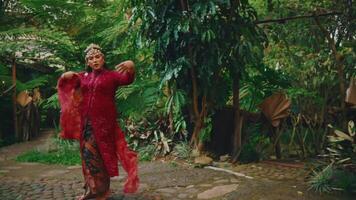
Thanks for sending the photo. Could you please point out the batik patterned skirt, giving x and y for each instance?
(97, 180)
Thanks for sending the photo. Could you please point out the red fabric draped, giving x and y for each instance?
(79, 99)
(70, 98)
(129, 162)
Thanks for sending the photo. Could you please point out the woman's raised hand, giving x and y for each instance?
(126, 66)
(68, 75)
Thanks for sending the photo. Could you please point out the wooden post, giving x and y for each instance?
(14, 98)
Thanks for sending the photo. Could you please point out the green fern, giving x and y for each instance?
(138, 99)
(51, 102)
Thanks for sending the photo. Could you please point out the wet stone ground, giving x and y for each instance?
(160, 180)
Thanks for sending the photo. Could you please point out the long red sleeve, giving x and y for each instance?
(69, 97)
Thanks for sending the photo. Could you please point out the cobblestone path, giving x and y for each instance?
(160, 180)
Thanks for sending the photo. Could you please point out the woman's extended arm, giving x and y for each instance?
(125, 73)
(68, 75)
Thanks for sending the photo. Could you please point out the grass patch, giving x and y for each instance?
(173, 164)
(59, 157)
(62, 152)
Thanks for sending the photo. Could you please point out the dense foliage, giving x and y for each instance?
(193, 59)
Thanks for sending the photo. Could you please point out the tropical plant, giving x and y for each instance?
(150, 131)
(340, 172)
(199, 41)
(320, 181)
(316, 66)
(342, 148)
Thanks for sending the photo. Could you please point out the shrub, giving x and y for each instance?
(340, 173)
(182, 150)
(146, 153)
(321, 181)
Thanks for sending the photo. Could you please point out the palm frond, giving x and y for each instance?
(138, 98)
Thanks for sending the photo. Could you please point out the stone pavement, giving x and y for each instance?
(160, 180)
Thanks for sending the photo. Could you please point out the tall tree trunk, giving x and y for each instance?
(170, 112)
(269, 6)
(238, 119)
(340, 68)
(14, 101)
(199, 115)
(276, 142)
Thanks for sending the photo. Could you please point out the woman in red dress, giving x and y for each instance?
(88, 114)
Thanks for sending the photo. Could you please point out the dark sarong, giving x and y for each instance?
(97, 180)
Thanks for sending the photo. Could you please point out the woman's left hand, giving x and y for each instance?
(126, 66)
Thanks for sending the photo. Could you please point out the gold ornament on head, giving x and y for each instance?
(91, 50)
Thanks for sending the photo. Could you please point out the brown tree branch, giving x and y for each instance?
(283, 20)
(8, 90)
(339, 64)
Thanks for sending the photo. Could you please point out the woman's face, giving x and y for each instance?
(96, 61)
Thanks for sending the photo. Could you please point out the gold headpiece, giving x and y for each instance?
(91, 50)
